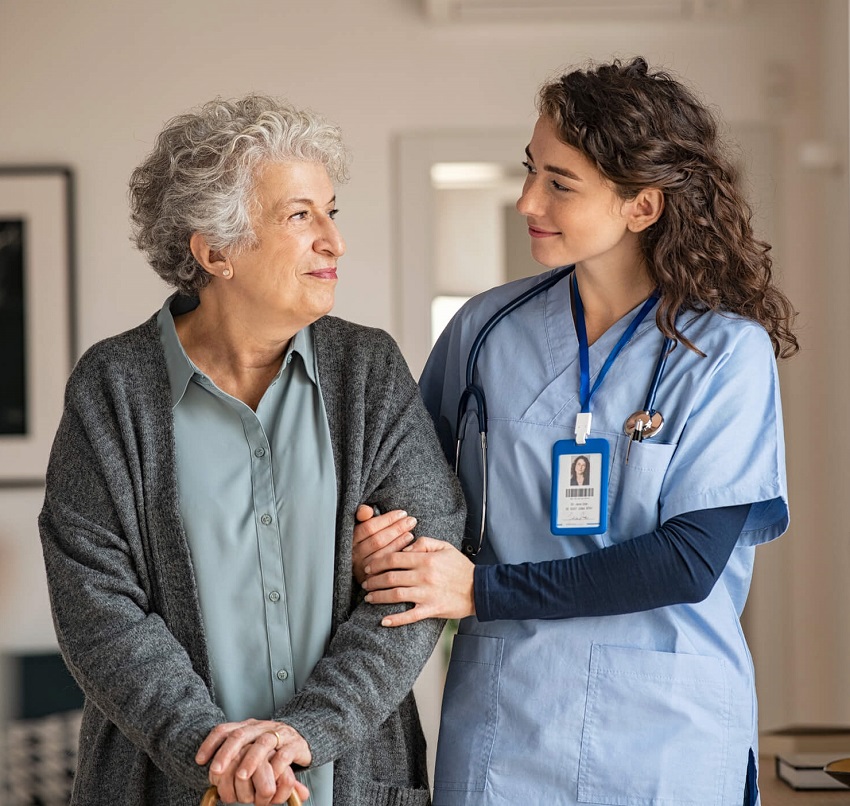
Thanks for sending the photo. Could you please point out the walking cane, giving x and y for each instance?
(210, 798)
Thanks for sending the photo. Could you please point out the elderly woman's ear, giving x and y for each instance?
(212, 260)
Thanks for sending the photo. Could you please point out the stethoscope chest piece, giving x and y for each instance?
(643, 424)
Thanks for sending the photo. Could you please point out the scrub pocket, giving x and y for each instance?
(655, 729)
(470, 707)
(635, 488)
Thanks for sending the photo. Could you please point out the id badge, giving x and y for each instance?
(579, 487)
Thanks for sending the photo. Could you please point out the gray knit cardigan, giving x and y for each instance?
(125, 602)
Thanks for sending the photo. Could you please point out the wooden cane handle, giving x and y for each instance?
(210, 798)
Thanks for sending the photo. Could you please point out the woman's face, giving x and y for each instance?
(291, 273)
(574, 215)
(581, 466)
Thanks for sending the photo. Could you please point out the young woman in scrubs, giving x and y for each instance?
(607, 665)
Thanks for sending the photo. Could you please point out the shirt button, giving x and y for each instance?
(282, 674)
(260, 452)
(266, 519)
(274, 596)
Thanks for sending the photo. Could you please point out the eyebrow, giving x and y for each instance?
(285, 202)
(554, 168)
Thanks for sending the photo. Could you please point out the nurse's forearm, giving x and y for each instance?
(678, 562)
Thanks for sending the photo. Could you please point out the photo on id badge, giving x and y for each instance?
(579, 487)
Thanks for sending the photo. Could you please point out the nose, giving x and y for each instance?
(330, 240)
(528, 204)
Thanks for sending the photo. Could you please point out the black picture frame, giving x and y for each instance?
(37, 314)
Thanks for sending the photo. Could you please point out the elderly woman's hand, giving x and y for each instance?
(378, 536)
(252, 761)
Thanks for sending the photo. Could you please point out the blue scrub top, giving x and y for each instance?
(655, 707)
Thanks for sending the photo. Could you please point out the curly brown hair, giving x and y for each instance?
(645, 129)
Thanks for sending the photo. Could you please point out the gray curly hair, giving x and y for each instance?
(200, 177)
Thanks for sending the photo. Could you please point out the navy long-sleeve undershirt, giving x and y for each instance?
(678, 562)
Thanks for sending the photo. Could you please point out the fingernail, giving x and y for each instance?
(368, 597)
(216, 768)
(387, 622)
(411, 522)
(411, 538)
(403, 514)
(367, 570)
(243, 774)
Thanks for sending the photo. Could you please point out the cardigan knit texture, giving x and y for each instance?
(124, 597)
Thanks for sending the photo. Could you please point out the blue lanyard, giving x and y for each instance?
(586, 392)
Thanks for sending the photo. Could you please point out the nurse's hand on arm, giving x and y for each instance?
(431, 574)
(251, 761)
(678, 562)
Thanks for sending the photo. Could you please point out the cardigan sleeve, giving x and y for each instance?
(113, 637)
(368, 669)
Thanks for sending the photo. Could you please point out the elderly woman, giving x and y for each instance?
(198, 518)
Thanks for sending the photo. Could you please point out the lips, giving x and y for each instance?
(536, 232)
(328, 273)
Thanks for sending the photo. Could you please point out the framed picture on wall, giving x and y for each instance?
(37, 343)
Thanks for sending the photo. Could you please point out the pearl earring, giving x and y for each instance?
(226, 273)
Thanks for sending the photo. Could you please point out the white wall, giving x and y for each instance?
(90, 84)
(469, 238)
(805, 680)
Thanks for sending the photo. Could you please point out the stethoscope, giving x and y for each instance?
(640, 425)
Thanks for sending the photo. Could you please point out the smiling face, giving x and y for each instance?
(574, 215)
(291, 273)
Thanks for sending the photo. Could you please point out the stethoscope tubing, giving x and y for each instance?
(666, 349)
(473, 390)
(509, 308)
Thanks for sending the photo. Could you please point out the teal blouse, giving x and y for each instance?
(257, 496)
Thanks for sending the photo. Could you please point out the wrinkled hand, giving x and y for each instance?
(432, 574)
(378, 536)
(249, 765)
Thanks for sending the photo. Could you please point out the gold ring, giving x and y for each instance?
(278, 740)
